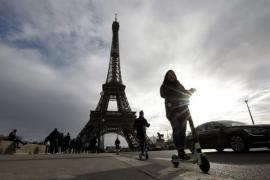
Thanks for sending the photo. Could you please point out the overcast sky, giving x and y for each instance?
(54, 57)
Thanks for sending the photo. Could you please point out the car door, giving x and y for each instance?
(202, 135)
(209, 137)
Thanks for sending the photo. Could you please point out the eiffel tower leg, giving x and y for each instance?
(122, 103)
(130, 138)
(98, 138)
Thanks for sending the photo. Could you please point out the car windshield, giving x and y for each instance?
(232, 123)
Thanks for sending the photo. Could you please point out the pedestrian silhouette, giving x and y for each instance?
(117, 145)
(61, 143)
(47, 144)
(93, 145)
(13, 137)
(54, 137)
(67, 143)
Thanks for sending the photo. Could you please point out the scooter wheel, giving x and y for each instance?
(205, 166)
(175, 160)
(176, 164)
(146, 156)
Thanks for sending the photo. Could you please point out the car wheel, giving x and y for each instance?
(220, 149)
(238, 144)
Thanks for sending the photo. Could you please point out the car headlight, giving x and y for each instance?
(255, 131)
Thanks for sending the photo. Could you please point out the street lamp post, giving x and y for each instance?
(246, 101)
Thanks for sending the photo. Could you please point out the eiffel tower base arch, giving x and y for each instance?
(110, 122)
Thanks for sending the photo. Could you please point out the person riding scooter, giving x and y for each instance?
(177, 111)
(140, 127)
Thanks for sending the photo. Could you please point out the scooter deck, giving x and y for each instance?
(191, 160)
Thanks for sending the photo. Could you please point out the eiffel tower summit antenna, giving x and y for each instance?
(102, 120)
(114, 71)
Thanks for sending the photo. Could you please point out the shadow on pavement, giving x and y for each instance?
(130, 173)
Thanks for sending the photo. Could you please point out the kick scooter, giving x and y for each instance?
(200, 158)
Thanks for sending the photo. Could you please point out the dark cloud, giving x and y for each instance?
(34, 97)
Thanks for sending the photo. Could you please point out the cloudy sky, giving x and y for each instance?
(54, 57)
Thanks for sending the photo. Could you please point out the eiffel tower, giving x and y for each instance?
(103, 121)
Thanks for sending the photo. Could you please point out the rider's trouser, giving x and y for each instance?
(179, 124)
(142, 144)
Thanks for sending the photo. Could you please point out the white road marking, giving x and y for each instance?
(161, 158)
(132, 161)
(169, 159)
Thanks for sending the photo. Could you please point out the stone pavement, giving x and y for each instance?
(89, 166)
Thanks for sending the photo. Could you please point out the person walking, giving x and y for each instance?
(93, 145)
(54, 136)
(177, 111)
(47, 144)
(67, 143)
(61, 143)
(117, 145)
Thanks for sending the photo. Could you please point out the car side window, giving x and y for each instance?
(212, 126)
(216, 126)
(208, 127)
(200, 129)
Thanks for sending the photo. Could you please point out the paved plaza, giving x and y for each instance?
(254, 165)
(88, 166)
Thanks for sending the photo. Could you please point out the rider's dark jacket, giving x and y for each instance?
(139, 125)
(176, 97)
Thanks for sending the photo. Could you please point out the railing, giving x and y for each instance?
(112, 113)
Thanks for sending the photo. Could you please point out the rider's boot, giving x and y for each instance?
(182, 154)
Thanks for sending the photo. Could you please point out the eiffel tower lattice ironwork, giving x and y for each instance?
(103, 121)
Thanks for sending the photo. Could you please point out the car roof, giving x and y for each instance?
(223, 122)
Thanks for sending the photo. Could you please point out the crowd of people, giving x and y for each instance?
(58, 143)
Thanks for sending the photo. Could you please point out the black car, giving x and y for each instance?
(231, 134)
